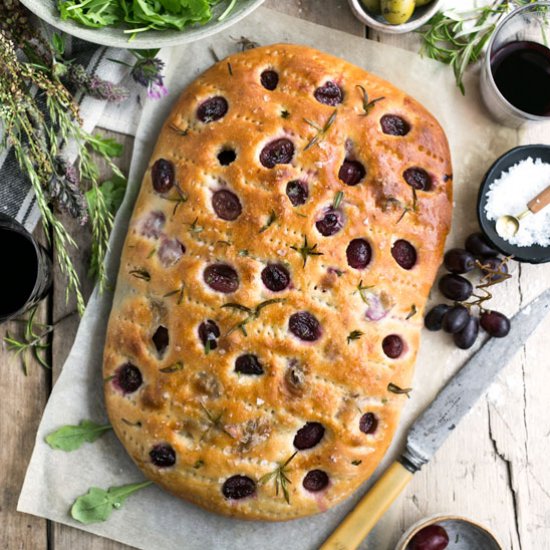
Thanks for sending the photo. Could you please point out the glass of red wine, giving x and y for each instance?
(515, 80)
(26, 272)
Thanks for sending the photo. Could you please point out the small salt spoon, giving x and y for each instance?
(508, 225)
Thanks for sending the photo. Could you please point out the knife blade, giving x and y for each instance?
(436, 423)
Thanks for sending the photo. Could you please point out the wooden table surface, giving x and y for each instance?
(500, 478)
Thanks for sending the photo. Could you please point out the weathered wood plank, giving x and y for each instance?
(21, 405)
(335, 13)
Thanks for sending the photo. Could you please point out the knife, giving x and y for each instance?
(437, 422)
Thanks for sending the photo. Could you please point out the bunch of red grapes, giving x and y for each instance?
(458, 319)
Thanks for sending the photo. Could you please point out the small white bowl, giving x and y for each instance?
(464, 534)
(420, 16)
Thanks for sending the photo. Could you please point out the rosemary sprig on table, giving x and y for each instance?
(34, 341)
(280, 478)
(457, 38)
(252, 313)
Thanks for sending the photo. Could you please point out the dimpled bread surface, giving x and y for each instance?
(272, 284)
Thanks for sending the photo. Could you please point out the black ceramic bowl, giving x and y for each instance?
(535, 254)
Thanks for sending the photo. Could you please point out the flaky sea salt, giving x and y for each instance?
(510, 194)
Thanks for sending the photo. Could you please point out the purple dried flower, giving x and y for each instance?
(147, 71)
(93, 85)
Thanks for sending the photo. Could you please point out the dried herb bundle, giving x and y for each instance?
(29, 81)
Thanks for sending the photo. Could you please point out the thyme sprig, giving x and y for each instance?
(252, 313)
(281, 480)
(321, 132)
(368, 104)
(305, 250)
(457, 38)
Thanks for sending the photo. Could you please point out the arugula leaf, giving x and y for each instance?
(98, 504)
(106, 146)
(113, 193)
(141, 15)
(69, 438)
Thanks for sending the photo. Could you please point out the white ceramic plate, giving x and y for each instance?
(112, 36)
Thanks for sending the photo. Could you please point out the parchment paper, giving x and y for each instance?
(152, 518)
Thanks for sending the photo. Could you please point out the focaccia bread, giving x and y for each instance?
(273, 280)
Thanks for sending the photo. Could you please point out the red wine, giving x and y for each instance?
(521, 70)
(18, 276)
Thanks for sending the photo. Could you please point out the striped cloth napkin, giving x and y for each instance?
(16, 195)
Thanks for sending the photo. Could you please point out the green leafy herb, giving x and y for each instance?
(368, 105)
(244, 253)
(354, 335)
(361, 289)
(140, 16)
(175, 367)
(113, 193)
(107, 147)
(198, 464)
(177, 291)
(252, 313)
(280, 478)
(207, 346)
(179, 131)
(34, 341)
(413, 311)
(230, 69)
(69, 438)
(179, 200)
(152, 253)
(272, 217)
(338, 199)
(321, 132)
(194, 228)
(141, 274)
(215, 422)
(458, 38)
(305, 250)
(394, 388)
(356, 462)
(98, 504)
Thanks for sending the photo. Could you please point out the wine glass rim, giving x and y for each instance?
(488, 55)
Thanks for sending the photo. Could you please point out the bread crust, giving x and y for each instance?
(219, 423)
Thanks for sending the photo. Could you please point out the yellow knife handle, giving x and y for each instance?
(359, 522)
